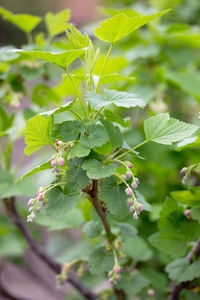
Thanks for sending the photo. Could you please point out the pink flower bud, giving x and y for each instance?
(132, 209)
(128, 191)
(38, 209)
(128, 202)
(61, 161)
(118, 278)
(130, 165)
(183, 171)
(40, 196)
(68, 157)
(30, 202)
(53, 163)
(135, 215)
(187, 213)
(151, 293)
(33, 215)
(117, 270)
(128, 175)
(40, 190)
(140, 207)
(135, 183)
(30, 209)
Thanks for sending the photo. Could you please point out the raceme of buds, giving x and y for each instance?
(57, 160)
(36, 203)
(135, 207)
(114, 275)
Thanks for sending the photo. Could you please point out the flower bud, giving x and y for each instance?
(117, 270)
(129, 164)
(68, 157)
(40, 190)
(129, 202)
(140, 207)
(132, 209)
(30, 202)
(61, 161)
(151, 293)
(53, 163)
(41, 196)
(128, 175)
(183, 171)
(57, 170)
(135, 215)
(128, 191)
(134, 184)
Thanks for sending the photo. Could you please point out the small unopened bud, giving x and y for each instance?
(117, 270)
(140, 207)
(128, 202)
(30, 202)
(57, 170)
(183, 171)
(68, 157)
(41, 196)
(40, 190)
(61, 161)
(53, 163)
(135, 215)
(132, 209)
(187, 213)
(128, 191)
(128, 175)
(129, 164)
(151, 293)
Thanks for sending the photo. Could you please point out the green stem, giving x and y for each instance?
(118, 175)
(98, 112)
(29, 38)
(103, 67)
(77, 92)
(135, 147)
(76, 114)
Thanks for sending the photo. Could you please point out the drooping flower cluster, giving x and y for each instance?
(35, 204)
(57, 160)
(114, 275)
(135, 207)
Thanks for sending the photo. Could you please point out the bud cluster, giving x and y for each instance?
(134, 206)
(185, 174)
(114, 275)
(35, 204)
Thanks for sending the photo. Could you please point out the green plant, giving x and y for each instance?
(95, 171)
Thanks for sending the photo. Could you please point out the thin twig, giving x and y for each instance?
(176, 289)
(39, 251)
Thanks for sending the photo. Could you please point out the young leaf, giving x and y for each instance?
(75, 173)
(57, 23)
(60, 202)
(60, 58)
(60, 109)
(115, 198)
(44, 166)
(114, 133)
(112, 117)
(117, 27)
(68, 130)
(165, 130)
(95, 136)
(188, 197)
(79, 150)
(92, 229)
(37, 134)
(181, 270)
(120, 99)
(100, 261)
(23, 21)
(96, 170)
(127, 229)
